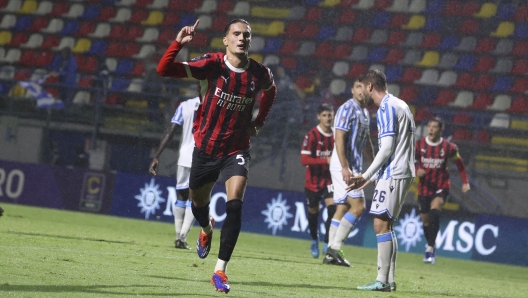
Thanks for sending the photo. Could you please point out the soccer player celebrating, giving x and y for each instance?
(352, 139)
(315, 155)
(393, 168)
(183, 217)
(432, 153)
(229, 85)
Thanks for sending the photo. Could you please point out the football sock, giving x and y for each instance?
(179, 212)
(230, 229)
(221, 265)
(345, 227)
(427, 234)
(385, 250)
(188, 221)
(331, 211)
(333, 229)
(312, 225)
(392, 269)
(434, 225)
(202, 216)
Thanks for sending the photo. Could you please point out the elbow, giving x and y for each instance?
(161, 70)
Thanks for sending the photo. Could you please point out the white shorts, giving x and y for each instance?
(389, 196)
(182, 177)
(340, 193)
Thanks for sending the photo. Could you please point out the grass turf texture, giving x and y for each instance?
(52, 253)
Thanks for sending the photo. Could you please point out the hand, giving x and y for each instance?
(153, 166)
(186, 33)
(253, 129)
(420, 172)
(465, 187)
(347, 174)
(357, 183)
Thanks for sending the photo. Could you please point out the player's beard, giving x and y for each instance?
(370, 101)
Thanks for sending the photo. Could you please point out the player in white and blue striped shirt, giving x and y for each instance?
(393, 168)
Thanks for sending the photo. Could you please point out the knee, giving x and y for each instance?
(234, 207)
(313, 210)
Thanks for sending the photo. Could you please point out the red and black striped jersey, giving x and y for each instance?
(433, 157)
(228, 95)
(317, 146)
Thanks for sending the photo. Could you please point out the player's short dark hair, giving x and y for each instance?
(437, 120)
(376, 78)
(233, 22)
(324, 107)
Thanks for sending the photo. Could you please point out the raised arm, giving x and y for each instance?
(167, 67)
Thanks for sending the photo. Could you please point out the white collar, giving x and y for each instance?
(431, 143)
(322, 132)
(236, 69)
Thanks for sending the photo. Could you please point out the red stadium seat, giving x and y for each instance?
(521, 14)
(43, 59)
(520, 49)
(395, 38)
(27, 57)
(59, 9)
(138, 69)
(88, 64)
(134, 32)
(410, 75)
(22, 74)
(348, 3)
(469, 26)
(114, 49)
(292, 30)
(39, 23)
(118, 31)
(422, 114)
(520, 67)
(18, 39)
(171, 19)
(310, 30)
(224, 7)
(138, 16)
(85, 81)
(520, 85)
(398, 20)
(484, 64)
(130, 49)
(485, 45)
(381, 4)
(361, 35)
(394, 56)
(166, 36)
(431, 40)
(483, 137)
(461, 135)
(86, 28)
(323, 50)
(107, 13)
(470, 8)
(219, 23)
(347, 16)
(519, 105)
(462, 118)
(465, 81)
(482, 101)
(452, 8)
(313, 14)
(444, 98)
(184, 5)
(50, 41)
(303, 82)
(341, 51)
(200, 39)
(142, 3)
(289, 63)
(289, 47)
(356, 70)
(408, 93)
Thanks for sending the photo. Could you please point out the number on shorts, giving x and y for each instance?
(242, 160)
(381, 198)
(330, 188)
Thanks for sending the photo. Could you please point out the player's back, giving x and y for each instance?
(394, 118)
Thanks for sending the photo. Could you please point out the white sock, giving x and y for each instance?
(188, 221)
(345, 227)
(393, 258)
(384, 256)
(179, 212)
(332, 231)
(221, 265)
(429, 249)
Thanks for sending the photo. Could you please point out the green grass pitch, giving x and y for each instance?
(52, 253)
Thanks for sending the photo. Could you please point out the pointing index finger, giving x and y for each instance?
(196, 23)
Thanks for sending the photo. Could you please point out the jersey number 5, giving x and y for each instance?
(242, 160)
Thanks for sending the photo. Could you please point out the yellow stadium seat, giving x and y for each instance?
(504, 29)
(416, 22)
(498, 140)
(217, 43)
(501, 163)
(256, 57)
(154, 18)
(519, 124)
(487, 10)
(276, 28)
(29, 6)
(270, 12)
(16, 91)
(329, 3)
(82, 45)
(429, 59)
(5, 37)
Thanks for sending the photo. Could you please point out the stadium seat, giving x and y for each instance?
(65, 42)
(338, 86)
(328, 3)
(155, 18)
(5, 37)
(271, 60)
(326, 32)
(28, 57)
(449, 42)
(469, 26)
(38, 24)
(502, 84)
(501, 102)
(205, 22)
(8, 21)
(18, 39)
(415, 22)
(399, 6)
(429, 77)
(521, 13)
(136, 85)
(377, 54)
(50, 42)
(381, 19)
(273, 45)
(341, 51)
(107, 13)
(344, 33)
(347, 16)
(410, 75)
(224, 7)
(70, 28)
(361, 35)
(91, 12)
(485, 45)
(500, 120)
(422, 114)
(409, 93)
(398, 20)
(521, 31)
(35, 40)
(447, 78)
(394, 56)
(520, 49)
(208, 6)
(465, 81)
(395, 38)
(142, 3)
(466, 62)
(482, 101)
(296, 13)
(487, 10)
(102, 30)
(289, 62)
(340, 68)
(114, 49)
(133, 33)
(461, 135)
(313, 14)
(111, 64)
(59, 9)
(463, 99)
(519, 105)
(520, 68)
(75, 11)
(503, 47)
(307, 48)
(505, 11)
(417, 6)
(448, 61)
(429, 59)
(123, 15)
(82, 45)
(469, 8)
(123, 2)
(172, 19)
(393, 89)
(414, 39)
(81, 97)
(356, 70)
(433, 23)
(119, 84)
(303, 82)
(379, 36)
(138, 69)
(467, 44)
(364, 4)
(86, 28)
(138, 16)
(393, 73)
(435, 7)
(54, 26)
(379, 67)
(444, 98)
(11, 56)
(130, 49)
(505, 29)
(44, 8)
(241, 8)
(431, 41)
(145, 51)
(118, 31)
(484, 64)
(520, 85)
(382, 5)
(23, 23)
(359, 53)
(166, 36)
(124, 66)
(310, 30)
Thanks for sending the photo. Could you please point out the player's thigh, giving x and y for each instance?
(389, 196)
(236, 187)
(235, 169)
(357, 204)
(339, 186)
(204, 172)
(313, 200)
(182, 177)
(439, 199)
(201, 195)
(424, 204)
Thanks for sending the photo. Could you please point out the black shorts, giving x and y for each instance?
(206, 168)
(314, 198)
(424, 202)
